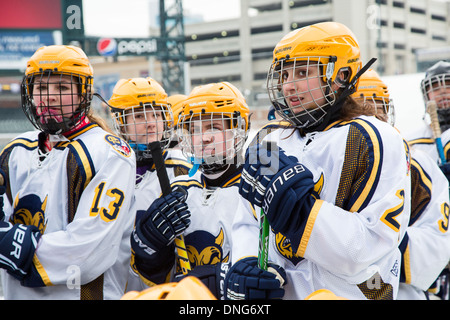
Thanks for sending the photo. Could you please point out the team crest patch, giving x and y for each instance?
(30, 210)
(205, 248)
(119, 145)
(284, 247)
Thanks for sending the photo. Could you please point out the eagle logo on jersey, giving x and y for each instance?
(205, 249)
(119, 145)
(30, 210)
(285, 248)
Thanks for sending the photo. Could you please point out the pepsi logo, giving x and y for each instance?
(107, 47)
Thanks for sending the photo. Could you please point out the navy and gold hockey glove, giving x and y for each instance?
(166, 218)
(17, 246)
(246, 281)
(280, 185)
(262, 162)
(212, 276)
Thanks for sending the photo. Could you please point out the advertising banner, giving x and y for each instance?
(16, 47)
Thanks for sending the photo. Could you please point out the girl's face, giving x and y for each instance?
(56, 98)
(144, 125)
(440, 92)
(211, 137)
(302, 86)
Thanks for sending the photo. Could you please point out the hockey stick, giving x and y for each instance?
(180, 246)
(432, 111)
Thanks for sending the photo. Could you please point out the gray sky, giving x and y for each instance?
(131, 18)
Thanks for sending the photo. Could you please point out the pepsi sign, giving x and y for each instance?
(107, 47)
(126, 47)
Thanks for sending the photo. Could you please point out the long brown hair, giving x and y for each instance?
(352, 108)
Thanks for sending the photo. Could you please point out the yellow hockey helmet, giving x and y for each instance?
(332, 43)
(141, 114)
(207, 104)
(371, 89)
(176, 104)
(189, 288)
(66, 62)
(326, 51)
(323, 294)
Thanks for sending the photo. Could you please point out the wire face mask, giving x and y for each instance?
(384, 108)
(56, 90)
(211, 140)
(55, 102)
(437, 88)
(145, 123)
(298, 90)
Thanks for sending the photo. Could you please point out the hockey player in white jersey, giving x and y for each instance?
(426, 244)
(338, 204)
(435, 87)
(213, 127)
(142, 115)
(69, 189)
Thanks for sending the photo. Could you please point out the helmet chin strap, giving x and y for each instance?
(332, 112)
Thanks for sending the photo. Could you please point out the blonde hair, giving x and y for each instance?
(95, 118)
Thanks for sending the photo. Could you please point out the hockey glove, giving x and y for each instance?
(288, 199)
(262, 162)
(212, 276)
(285, 195)
(17, 246)
(246, 281)
(166, 218)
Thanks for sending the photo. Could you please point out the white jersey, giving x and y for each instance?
(426, 245)
(148, 190)
(223, 224)
(422, 139)
(349, 242)
(79, 195)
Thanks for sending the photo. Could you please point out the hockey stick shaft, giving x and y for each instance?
(263, 254)
(432, 111)
(164, 182)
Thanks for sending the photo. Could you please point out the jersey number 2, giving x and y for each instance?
(389, 216)
(113, 209)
